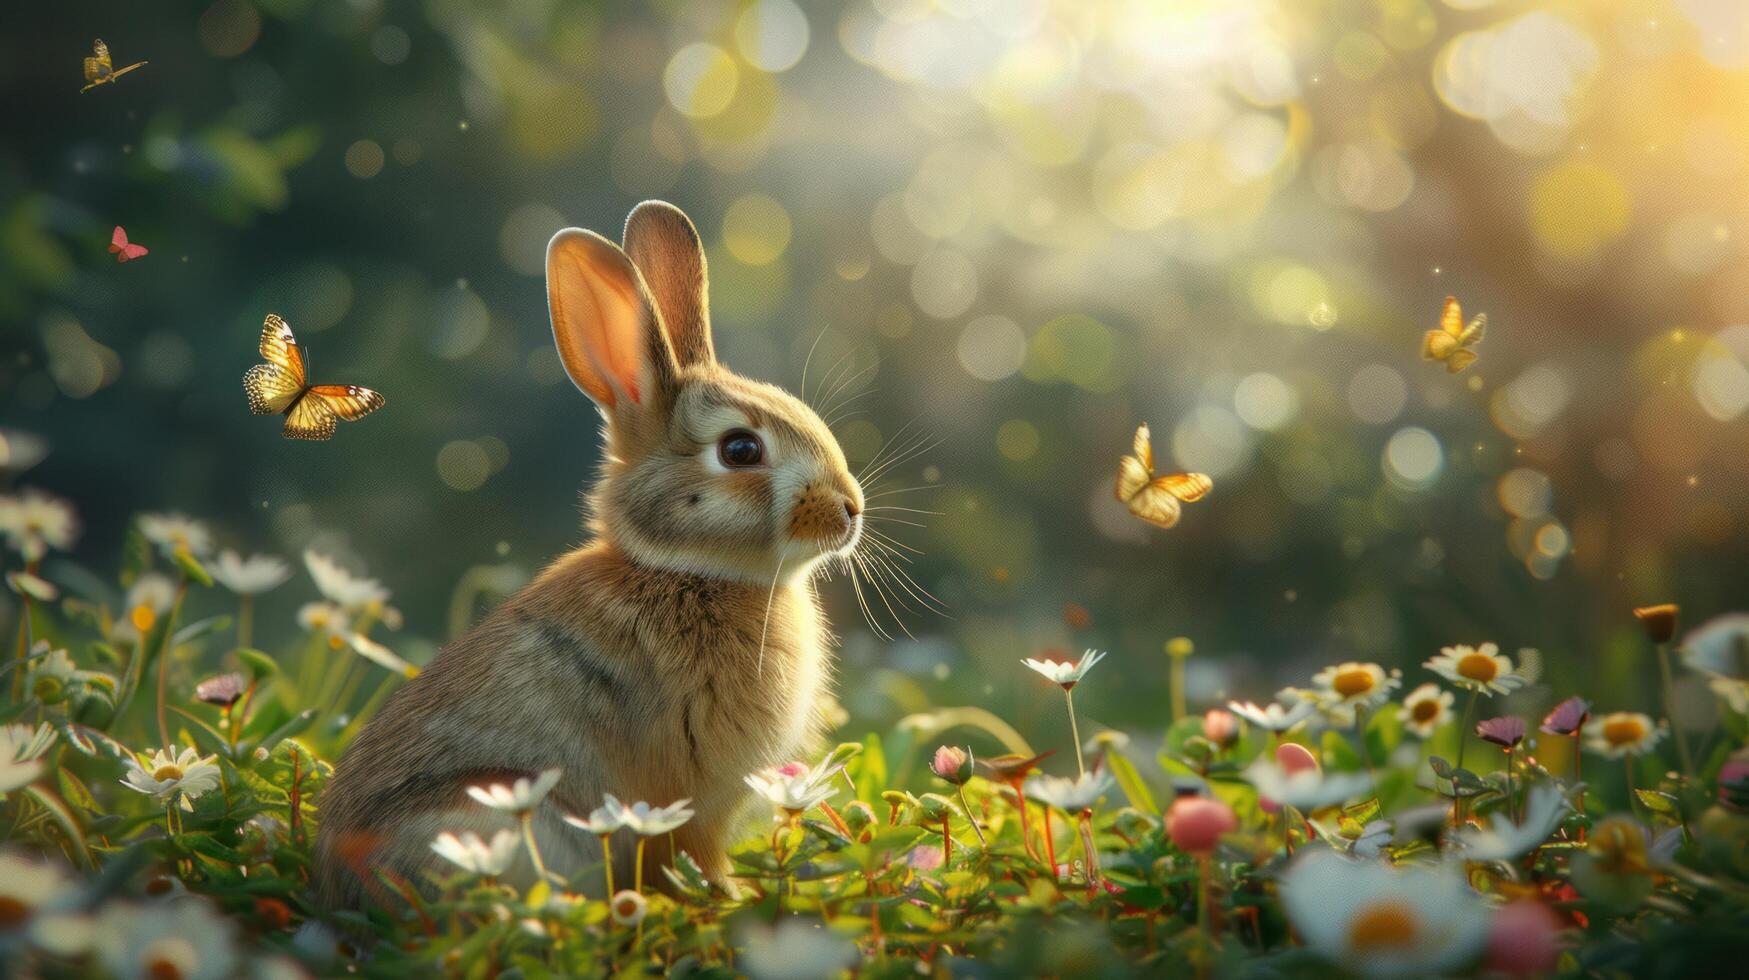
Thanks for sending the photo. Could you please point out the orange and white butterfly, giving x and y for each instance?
(1155, 499)
(99, 70)
(124, 250)
(1451, 343)
(279, 387)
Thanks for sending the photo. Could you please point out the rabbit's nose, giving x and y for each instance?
(851, 510)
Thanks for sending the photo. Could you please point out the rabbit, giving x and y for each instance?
(678, 650)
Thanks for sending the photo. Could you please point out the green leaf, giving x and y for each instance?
(259, 665)
(1657, 802)
(208, 738)
(202, 843)
(89, 740)
(841, 755)
(1131, 781)
(199, 628)
(64, 817)
(75, 792)
(871, 769)
(1339, 752)
(192, 567)
(136, 557)
(291, 729)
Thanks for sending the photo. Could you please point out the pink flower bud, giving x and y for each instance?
(1220, 727)
(952, 764)
(1196, 823)
(1523, 939)
(1293, 757)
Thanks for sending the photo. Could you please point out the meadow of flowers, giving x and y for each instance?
(163, 780)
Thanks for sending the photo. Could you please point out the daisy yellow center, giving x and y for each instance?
(626, 908)
(1352, 683)
(1381, 927)
(12, 911)
(143, 617)
(1624, 731)
(1424, 710)
(167, 772)
(1478, 667)
(162, 968)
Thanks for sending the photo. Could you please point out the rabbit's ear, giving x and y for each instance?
(665, 246)
(607, 329)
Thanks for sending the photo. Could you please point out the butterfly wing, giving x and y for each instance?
(310, 419)
(1156, 506)
(1451, 319)
(1472, 334)
(1144, 446)
(118, 239)
(130, 251)
(1437, 345)
(1188, 487)
(349, 402)
(1459, 360)
(1132, 478)
(271, 389)
(280, 347)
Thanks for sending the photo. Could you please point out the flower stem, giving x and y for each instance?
(1202, 910)
(946, 845)
(1509, 807)
(1025, 824)
(540, 867)
(1577, 752)
(607, 863)
(24, 644)
(1457, 806)
(638, 868)
(1075, 731)
(1670, 709)
(245, 619)
(1089, 850)
(1177, 688)
(1360, 736)
(972, 819)
(1050, 843)
(1628, 768)
(164, 648)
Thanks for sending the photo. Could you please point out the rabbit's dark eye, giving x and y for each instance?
(740, 448)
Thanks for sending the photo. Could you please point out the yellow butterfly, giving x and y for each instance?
(100, 70)
(1451, 343)
(279, 387)
(1155, 499)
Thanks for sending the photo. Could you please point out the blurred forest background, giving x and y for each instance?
(1031, 224)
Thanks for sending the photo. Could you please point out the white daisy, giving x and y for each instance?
(1718, 649)
(1425, 709)
(21, 751)
(1622, 733)
(1381, 921)
(602, 820)
(249, 576)
(1308, 789)
(323, 617)
(380, 655)
(653, 821)
(341, 587)
(1273, 717)
(34, 521)
(474, 855)
(176, 532)
(519, 797)
(1544, 809)
(174, 779)
(1063, 673)
(1483, 669)
(29, 888)
(1353, 684)
(1073, 795)
(184, 939)
(628, 908)
(148, 598)
(794, 793)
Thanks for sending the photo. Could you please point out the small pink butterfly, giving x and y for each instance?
(124, 249)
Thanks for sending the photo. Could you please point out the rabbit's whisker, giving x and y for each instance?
(810, 360)
(833, 417)
(886, 447)
(903, 579)
(861, 601)
(844, 386)
(830, 373)
(765, 627)
(889, 543)
(908, 510)
(889, 493)
(888, 519)
(874, 580)
(925, 444)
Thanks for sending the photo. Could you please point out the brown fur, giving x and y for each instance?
(642, 664)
